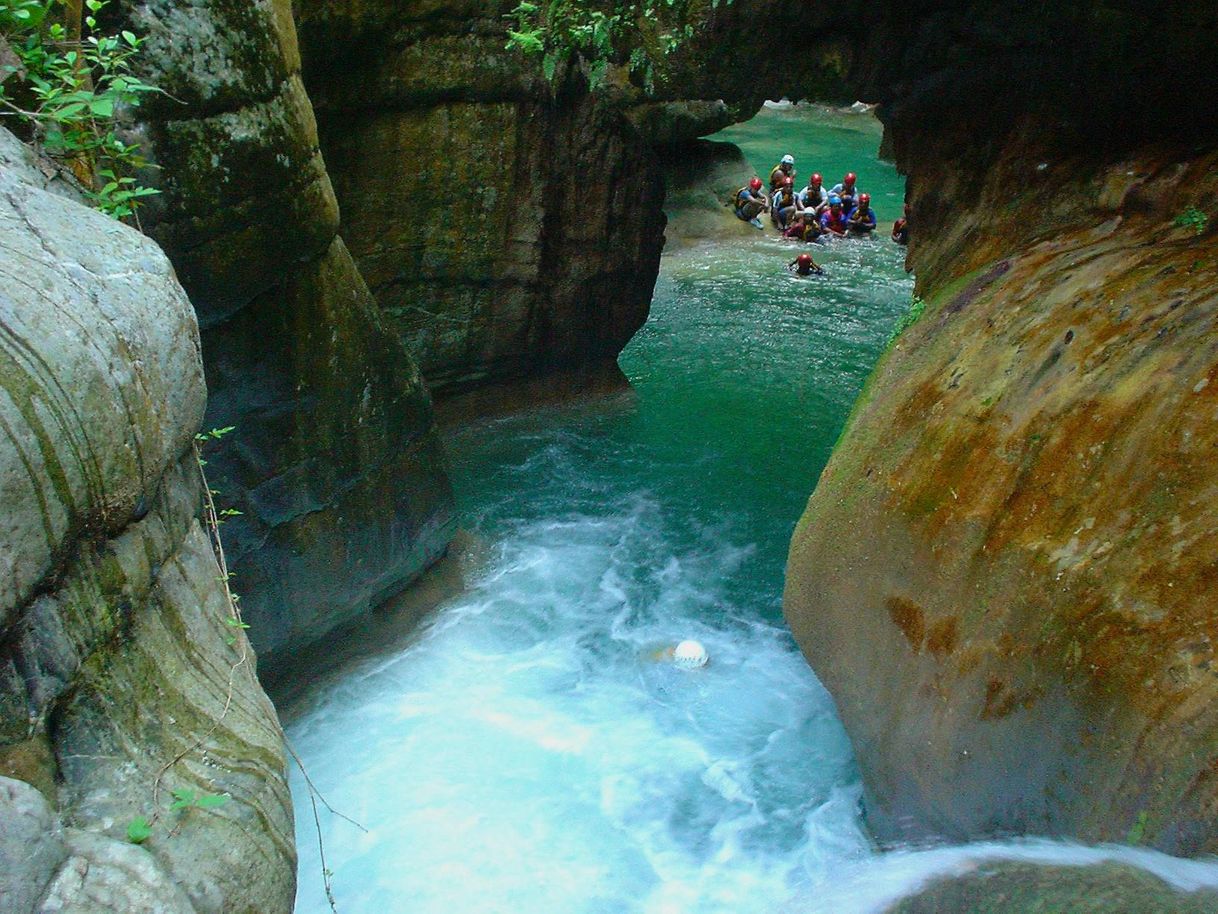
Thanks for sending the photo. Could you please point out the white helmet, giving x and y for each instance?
(689, 655)
(788, 160)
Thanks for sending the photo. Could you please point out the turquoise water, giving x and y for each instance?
(525, 752)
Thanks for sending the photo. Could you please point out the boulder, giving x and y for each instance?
(123, 676)
(1010, 887)
(1003, 575)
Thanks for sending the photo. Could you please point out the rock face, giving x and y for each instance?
(503, 230)
(118, 684)
(1008, 887)
(1004, 574)
(334, 461)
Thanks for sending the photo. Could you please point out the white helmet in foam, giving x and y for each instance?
(788, 160)
(689, 655)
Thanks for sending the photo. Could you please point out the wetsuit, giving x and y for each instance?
(900, 231)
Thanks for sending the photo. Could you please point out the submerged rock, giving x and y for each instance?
(121, 679)
(1007, 887)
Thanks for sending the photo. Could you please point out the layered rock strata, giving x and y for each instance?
(121, 677)
(334, 460)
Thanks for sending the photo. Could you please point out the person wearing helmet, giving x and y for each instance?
(805, 226)
(784, 169)
(833, 220)
(804, 265)
(686, 655)
(861, 220)
(751, 202)
(814, 197)
(847, 190)
(783, 206)
(900, 228)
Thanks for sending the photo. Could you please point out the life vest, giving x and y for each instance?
(867, 219)
(776, 176)
(834, 223)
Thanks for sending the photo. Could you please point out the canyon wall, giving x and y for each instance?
(508, 225)
(334, 460)
(1004, 573)
(121, 679)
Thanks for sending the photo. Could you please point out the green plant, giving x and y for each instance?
(600, 34)
(190, 799)
(1192, 218)
(139, 830)
(909, 318)
(63, 81)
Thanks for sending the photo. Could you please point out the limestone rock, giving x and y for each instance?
(333, 460)
(121, 678)
(1008, 887)
(104, 875)
(1014, 536)
(31, 846)
(100, 378)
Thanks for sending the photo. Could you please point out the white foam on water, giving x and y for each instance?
(528, 752)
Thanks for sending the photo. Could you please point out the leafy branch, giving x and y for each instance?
(638, 33)
(63, 81)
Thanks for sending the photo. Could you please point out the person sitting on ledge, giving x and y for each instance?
(804, 265)
(751, 202)
(861, 221)
(814, 197)
(784, 169)
(783, 206)
(805, 226)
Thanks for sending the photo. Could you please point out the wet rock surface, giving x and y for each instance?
(120, 678)
(1022, 888)
(1012, 537)
(333, 459)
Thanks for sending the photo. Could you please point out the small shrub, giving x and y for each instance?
(1192, 218)
(62, 83)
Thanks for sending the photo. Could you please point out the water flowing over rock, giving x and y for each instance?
(334, 461)
(118, 681)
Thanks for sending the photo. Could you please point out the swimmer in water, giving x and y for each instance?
(688, 655)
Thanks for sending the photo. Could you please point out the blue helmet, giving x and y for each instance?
(835, 199)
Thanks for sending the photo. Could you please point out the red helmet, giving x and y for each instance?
(755, 184)
(788, 181)
(804, 260)
(850, 178)
(864, 198)
(816, 180)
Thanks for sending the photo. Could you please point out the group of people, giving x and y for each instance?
(814, 212)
